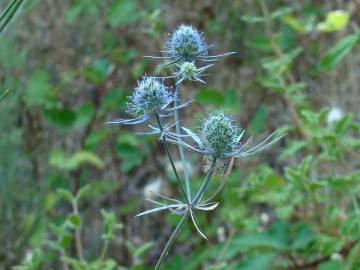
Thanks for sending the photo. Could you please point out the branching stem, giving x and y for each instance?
(181, 149)
(170, 158)
(78, 242)
(205, 183)
(172, 239)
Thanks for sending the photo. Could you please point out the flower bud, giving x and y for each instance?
(150, 95)
(219, 135)
(186, 42)
(188, 70)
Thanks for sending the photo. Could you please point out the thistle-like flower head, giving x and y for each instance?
(186, 43)
(150, 95)
(219, 135)
(220, 138)
(188, 70)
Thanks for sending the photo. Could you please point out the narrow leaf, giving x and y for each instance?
(334, 55)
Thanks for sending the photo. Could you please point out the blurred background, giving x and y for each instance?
(71, 64)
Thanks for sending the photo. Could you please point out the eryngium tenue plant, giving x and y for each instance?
(219, 139)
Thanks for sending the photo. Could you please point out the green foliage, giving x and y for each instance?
(335, 21)
(59, 160)
(336, 53)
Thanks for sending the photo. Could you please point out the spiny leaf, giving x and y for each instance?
(6, 92)
(9, 13)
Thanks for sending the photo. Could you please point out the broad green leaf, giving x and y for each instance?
(292, 149)
(74, 220)
(280, 64)
(276, 238)
(252, 19)
(231, 100)
(98, 70)
(343, 124)
(83, 192)
(259, 261)
(65, 240)
(61, 117)
(210, 96)
(259, 42)
(303, 236)
(38, 88)
(295, 24)
(59, 160)
(280, 12)
(84, 114)
(131, 150)
(335, 54)
(73, 13)
(257, 122)
(122, 12)
(331, 265)
(335, 21)
(65, 194)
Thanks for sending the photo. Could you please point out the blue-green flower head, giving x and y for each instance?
(186, 43)
(219, 135)
(188, 70)
(150, 96)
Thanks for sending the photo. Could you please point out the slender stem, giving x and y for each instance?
(172, 239)
(356, 207)
(65, 264)
(181, 149)
(6, 92)
(9, 13)
(205, 183)
(170, 158)
(226, 246)
(78, 241)
(104, 250)
(7, 10)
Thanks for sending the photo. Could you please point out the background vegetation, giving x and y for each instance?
(70, 185)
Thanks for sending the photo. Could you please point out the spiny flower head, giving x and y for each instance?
(219, 135)
(186, 43)
(150, 95)
(188, 70)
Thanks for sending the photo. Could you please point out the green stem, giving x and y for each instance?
(205, 183)
(104, 250)
(78, 242)
(181, 149)
(6, 92)
(170, 158)
(9, 13)
(172, 239)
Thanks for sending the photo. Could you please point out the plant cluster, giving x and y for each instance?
(219, 137)
(70, 186)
